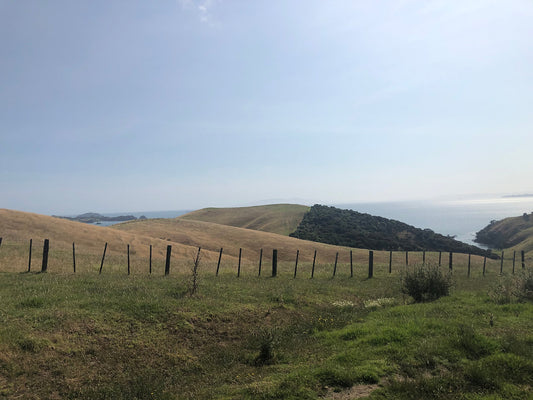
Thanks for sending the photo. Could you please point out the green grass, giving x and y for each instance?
(118, 337)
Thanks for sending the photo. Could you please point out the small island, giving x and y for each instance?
(91, 218)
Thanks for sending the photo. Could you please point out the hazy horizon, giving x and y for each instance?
(523, 201)
(184, 104)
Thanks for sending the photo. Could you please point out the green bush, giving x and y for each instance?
(426, 283)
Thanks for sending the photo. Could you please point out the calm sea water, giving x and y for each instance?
(459, 218)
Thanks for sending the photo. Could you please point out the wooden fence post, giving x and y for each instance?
(313, 269)
(219, 258)
(469, 257)
(335, 267)
(29, 257)
(296, 264)
(370, 264)
(351, 264)
(501, 265)
(440, 258)
(150, 266)
(274, 263)
(167, 262)
(103, 258)
(74, 257)
(484, 264)
(424, 257)
(390, 262)
(450, 261)
(0, 242)
(514, 259)
(406, 258)
(260, 261)
(523, 260)
(239, 267)
(128, 259)
(46, 247)
(196, 265)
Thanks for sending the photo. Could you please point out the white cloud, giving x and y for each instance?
(203, 8)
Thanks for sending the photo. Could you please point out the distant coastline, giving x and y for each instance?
(517, 195)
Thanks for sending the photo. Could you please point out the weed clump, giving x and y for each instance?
(426, 283)
(513, 288)
(265, 339)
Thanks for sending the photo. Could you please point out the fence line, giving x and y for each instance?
(336, 264)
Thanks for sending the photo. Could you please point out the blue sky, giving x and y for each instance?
(135, 105)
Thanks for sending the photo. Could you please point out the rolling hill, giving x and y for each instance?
(184, 235)
(275, 218)
(213, 236)
(17, 228)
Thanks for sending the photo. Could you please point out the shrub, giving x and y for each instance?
(426, 283)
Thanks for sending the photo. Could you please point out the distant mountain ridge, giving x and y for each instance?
(336, 226)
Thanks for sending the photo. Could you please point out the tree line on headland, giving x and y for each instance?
(350, 228)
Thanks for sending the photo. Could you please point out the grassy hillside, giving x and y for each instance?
(17, 228)
(115, 337)
(213, 236)
(275, 218)
(515, 233)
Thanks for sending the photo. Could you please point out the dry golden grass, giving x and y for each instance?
(17, 228)
(185, 236)
(213, 236)
(275, 218)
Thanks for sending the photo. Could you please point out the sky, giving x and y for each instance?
(183, 104)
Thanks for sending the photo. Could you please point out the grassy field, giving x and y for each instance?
(115, 336)
(275, 218)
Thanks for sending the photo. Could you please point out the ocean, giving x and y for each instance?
(459, 218)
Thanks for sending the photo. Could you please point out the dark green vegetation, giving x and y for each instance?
(426, 283)
(514, 232)
(353, 229)
(140, 337)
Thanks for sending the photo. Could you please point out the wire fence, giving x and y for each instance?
(44, 256)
